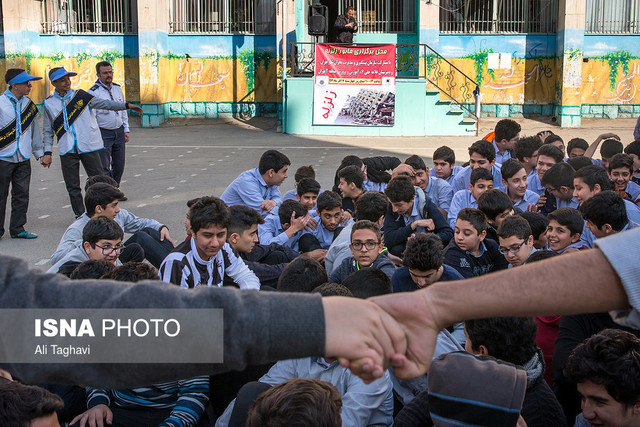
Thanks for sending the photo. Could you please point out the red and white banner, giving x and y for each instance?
(354, 85)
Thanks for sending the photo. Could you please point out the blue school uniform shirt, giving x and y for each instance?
(454, 171)
(462, 199)
(534, 183)
(577, 245)
(250, 189)
(325, 236)
(462, 180)
(502, 157)
(440, 192)
(633, 190)
(415, 215)
(633, 215)
(529, 197)
(369, 185)
(271, 232)
(571, 203)
(290, 195)
(402, 281)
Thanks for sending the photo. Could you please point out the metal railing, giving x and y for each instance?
(89, 16)
(383, 16)
(413, 61)
(223, 16)
(612, 17)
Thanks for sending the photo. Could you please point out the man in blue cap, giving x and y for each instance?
(19, 137)
(66, 115)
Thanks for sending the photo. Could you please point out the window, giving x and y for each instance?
(612, 17)
(223, 16)
(383, 16)
(498, 16)
(88, 16)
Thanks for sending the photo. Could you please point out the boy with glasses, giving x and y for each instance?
(516, 240)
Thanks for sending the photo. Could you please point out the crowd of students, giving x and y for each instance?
(387, 226)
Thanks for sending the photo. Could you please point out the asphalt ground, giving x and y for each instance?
(183, 159)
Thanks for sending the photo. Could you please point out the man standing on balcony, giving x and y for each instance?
(345, 26)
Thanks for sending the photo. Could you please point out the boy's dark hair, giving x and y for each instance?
(553, 138)
(494, 202)
(577, 143)
(21, 404)
(509, 168)
(328, 200)
(92, 269)
(101, 228)
(304, 172)
(514, 226)
(633, 148)
(560, 175)
(606, 207)
(366, 225)
(192, 202)
(551, 151)
(352, 174)
(368, 282)
(579, 162)
(416, 162)
(541, 255)
(307, 185)
(475, 217)
(272, 159)
(350, 160)
(100, 178)
(371, 205)
(298, 402)
(287, 208)
(333, 290)
(445, 153)
(592, 175)
(621, 161)
(303, 274)
(242, 219)
(483, 148)
(11, 73)
(132, 272)
(568, 217)
(423, 252)
(610, 358)
(506, 129)
(100, 194)
(209, 211)
(512, 339)
(480, 173)
(610, 148)
(525, 147)
(102, 64)
(537, 222)
(400, 189)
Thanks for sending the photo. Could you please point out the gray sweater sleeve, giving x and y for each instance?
(107, 104)
(258, 326)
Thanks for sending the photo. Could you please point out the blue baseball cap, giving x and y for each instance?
(22, 77)
(59, 73)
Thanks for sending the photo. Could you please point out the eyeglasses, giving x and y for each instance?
(513, 250)
(369, 244)
(108, 250)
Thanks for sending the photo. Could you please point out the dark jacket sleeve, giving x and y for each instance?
(259, 252)
(395, 232)
(442, 228)
(415, 413)
(378, 166)
(499, 260)
(259, 327)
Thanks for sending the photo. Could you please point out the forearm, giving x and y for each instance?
(107, 104)
(591, 150)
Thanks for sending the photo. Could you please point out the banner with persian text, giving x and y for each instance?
(354, 85)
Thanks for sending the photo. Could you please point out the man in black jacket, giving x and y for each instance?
(345, 26)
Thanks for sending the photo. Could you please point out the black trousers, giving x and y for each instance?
(154, 250)
(113, 154)
(70, 163)
(18, 176)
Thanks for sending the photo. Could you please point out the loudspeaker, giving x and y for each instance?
(318, 20)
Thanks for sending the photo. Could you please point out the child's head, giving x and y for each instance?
(605, 213)
(333, 290)
(516, 240)
(556, 141)
(209, 218)
(608, 149)
(633, 150)
(565, 228)
(444, 159)
(132, 272)
(401, 194)
(101, 199)
(243, 228)
(507, 132)
(307, 192)
(620, 170)
(102, 239)
(187, 221)
(421, 176)
(372, 205)
(548, 155)
(482, 155)
(423, 256)
(366, 242)
(514, 178)
(577, 147)
(26, 405)
(330, 209)
(527, 151)
(303, 274)
(105, 179)
(273, 167)
(579, 162)
(351, 179)
(480, 181)
(559, 181)
(304, 172)
(496, 205)
(538, 224)
(92, 269)
(288, 208)
(368, 282)
(471, 229)
(590, 180)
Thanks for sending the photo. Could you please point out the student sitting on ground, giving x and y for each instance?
(92, 269)
(132, 272)
(444, 164)
(556, 141)
(101, 239)
(633, 150)
(307, 191)
(563, 232)
(506, 135)
(331, 215)
(366, 248)
(579, 162)
(496, 206)
(374, 169)
(516, 240)
(558, 183)
(259, 188)
(468, 252)
(606, 214)
(28, 406)
(303, 274)
(538, 224)
(610, 147)
(527, 153)
(576, 147)
(301, 173)
(514, 179)
(206, 258)
(548, 155)
(350, 187)
(620, 171)
(287, 227)
(410, 210)
(481, 155)
(368, 282)
(481, 181)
